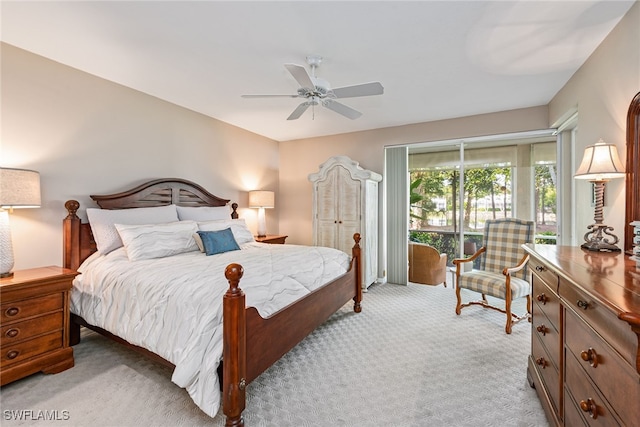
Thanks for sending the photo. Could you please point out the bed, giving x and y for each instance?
(250, 340)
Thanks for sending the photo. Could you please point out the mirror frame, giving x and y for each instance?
(632, 177)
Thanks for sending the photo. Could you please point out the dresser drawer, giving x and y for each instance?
(26, 329)
(547, 370)
(538, 268)
(546, 333)
(547, 301)
(18, 310)
(17, 352)
(616, 332)
(581, 393)
(617, 381)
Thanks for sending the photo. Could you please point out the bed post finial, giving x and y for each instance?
(72, 207)
(234, 367)
(234, 208)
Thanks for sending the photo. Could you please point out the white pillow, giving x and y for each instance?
(104, 231)
(204, 213)
(238, 227)
(158, 240)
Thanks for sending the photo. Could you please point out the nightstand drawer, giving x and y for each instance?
(14, 311)
(617, 381)
(21, 331)
(14, 353)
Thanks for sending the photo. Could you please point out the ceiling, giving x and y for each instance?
(435, 59)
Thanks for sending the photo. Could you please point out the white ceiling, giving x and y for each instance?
(435, 59)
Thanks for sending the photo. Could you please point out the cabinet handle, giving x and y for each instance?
(540, 268)
(590, 356)
(542, 298)
(12, 333)
(589, 406)
(12, 311)
(582, 304)
(542, 329)
(12, 354)
(541, 362)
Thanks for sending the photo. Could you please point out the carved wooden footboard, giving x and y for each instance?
(251, 343)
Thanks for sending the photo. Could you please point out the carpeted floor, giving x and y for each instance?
(406, 360)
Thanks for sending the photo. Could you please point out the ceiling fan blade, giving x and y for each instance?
(299, 110)
(270, 96)
(341, 109)
(301, 75)
(364, 89)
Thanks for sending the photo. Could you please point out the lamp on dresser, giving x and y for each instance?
(19, 188)
(600, 164)
(261, 200)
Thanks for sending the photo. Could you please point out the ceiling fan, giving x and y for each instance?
(317, 91)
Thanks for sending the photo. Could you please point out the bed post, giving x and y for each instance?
(356, 252)
(234, 357)
(71, 236)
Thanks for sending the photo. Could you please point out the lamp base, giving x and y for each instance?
(595, 241)
(5, 275)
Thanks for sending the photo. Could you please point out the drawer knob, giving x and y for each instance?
(540, 268)
(541, 362)
(589, 406)
(582, 304)
(12, 354)
(542, 329)
(12, 311)
(542, 298)
(12, 333)
(590, 356)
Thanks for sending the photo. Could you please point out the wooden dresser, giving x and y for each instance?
(585, 357)
(34, 322)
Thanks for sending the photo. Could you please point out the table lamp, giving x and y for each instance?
(261, 200)
(19, 188)
(600, 164)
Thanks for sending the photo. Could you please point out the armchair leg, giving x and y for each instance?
(529, 308)
(507, 328)
(459, 298)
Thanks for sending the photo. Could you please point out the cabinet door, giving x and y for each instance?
(349, 214)
(327, 212)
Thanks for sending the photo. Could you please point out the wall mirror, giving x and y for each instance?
(633, 175)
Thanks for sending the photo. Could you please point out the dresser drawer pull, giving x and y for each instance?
(582, 304)
(590, 356)
(540, 268)
(589, 406)
(541, 362)
(542, 298)
(12, 333)
(12, 311)
(12, 354)
(542, 329)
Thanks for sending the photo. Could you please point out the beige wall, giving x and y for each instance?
(602, 90)
(86, 135)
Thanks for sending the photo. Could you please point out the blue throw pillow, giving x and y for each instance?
(217, 242)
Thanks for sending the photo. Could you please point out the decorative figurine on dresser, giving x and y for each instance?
(585, 355)
(345, 202)
(34, 320)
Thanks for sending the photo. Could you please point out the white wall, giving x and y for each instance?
(602, 90)
(86, 135)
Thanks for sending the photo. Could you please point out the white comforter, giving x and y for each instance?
(173, 306)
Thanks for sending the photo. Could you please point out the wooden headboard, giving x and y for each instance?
(78, 239)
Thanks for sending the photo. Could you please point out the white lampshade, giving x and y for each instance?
(19, 188)
(261, 199)
(600, 163)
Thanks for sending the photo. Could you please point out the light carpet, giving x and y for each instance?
(406, 360)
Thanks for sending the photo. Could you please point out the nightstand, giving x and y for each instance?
(271, 238)
(34, 322)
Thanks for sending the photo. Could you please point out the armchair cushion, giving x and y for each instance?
(489, 283)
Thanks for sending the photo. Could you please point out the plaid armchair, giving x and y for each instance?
(502, 273)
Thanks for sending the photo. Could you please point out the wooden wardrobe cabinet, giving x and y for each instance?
(345, 202)
(585, 357)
